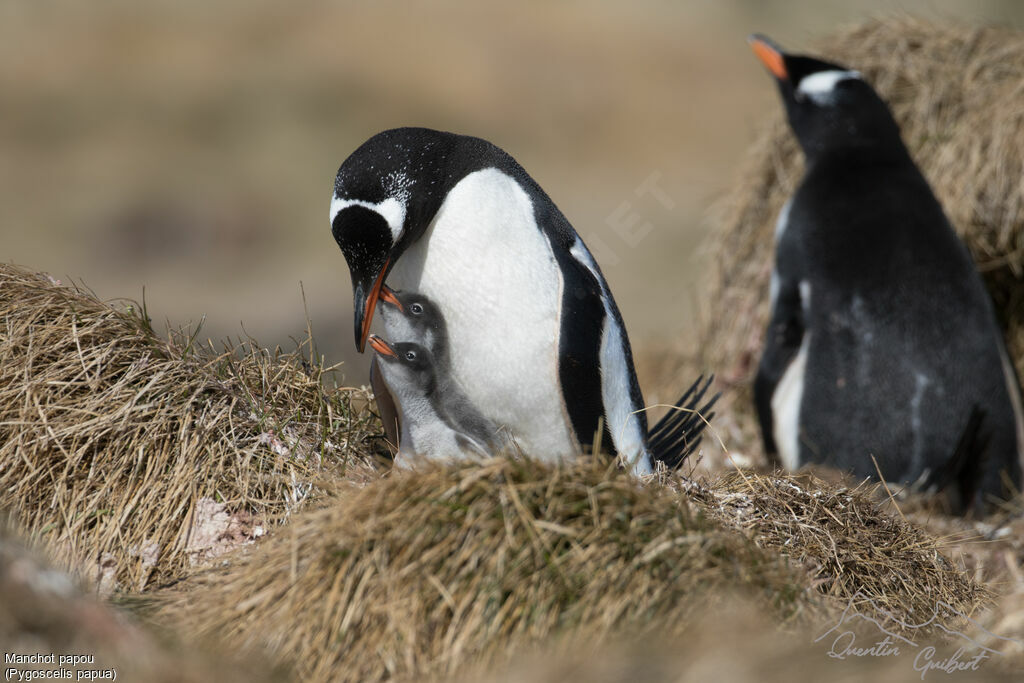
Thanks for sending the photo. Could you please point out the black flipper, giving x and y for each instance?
(678, 434)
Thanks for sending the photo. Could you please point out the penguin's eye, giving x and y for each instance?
(410, 356)
(417, 309)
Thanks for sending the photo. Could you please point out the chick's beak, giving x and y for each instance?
(381, 346)
(387, 295)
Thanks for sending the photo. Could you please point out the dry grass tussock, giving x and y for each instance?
(132, 457)
(948, 86)
(849, 547)
(423, 573)
(428, 573)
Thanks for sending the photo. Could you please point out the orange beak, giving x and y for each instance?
(769, 55)
(388, 295)
(381, 346)
(371, 306)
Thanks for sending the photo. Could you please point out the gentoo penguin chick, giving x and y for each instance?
(411, 317)
(414, 317)
(535, 337)
(882, 341)
(437, 422)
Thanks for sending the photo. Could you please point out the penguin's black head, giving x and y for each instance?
(828, 105)
(366, 240)
(414, 361)
(385, 195)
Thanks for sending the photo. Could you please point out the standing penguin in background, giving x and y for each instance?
(882, 340)
(536, 339)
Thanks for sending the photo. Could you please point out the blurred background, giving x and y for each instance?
(185, 151)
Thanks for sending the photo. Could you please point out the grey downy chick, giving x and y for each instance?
(436, 419)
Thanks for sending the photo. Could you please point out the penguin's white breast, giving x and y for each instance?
(490, 269)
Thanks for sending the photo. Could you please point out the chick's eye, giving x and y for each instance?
(410, 355)
(417, 309)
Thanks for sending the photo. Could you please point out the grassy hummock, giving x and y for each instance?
(134, 457)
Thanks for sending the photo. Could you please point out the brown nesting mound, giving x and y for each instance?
(991, 550)
(132, 457)
(851, 549)
(426, 572)
(43, 612)
(955, 91)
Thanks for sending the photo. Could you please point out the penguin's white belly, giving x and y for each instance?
(491, 271)
(786, 402)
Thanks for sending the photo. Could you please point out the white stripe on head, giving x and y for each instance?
(391, 210)
(820, 86)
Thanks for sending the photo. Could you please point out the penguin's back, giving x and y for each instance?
(903, 338)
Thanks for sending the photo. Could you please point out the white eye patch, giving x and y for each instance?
(820, 86)
(391, 209)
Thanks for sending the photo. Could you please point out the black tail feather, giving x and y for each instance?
(964, 468)
(678, 434)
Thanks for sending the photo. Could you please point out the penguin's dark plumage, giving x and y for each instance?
(882, 340)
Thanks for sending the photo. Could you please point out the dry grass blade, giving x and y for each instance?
(424, 573)
(133, 457)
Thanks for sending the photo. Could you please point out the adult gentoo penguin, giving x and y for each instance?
(438, 422)
(882, 340)
(536, 339)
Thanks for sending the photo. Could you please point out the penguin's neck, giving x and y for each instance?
(856, 152)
